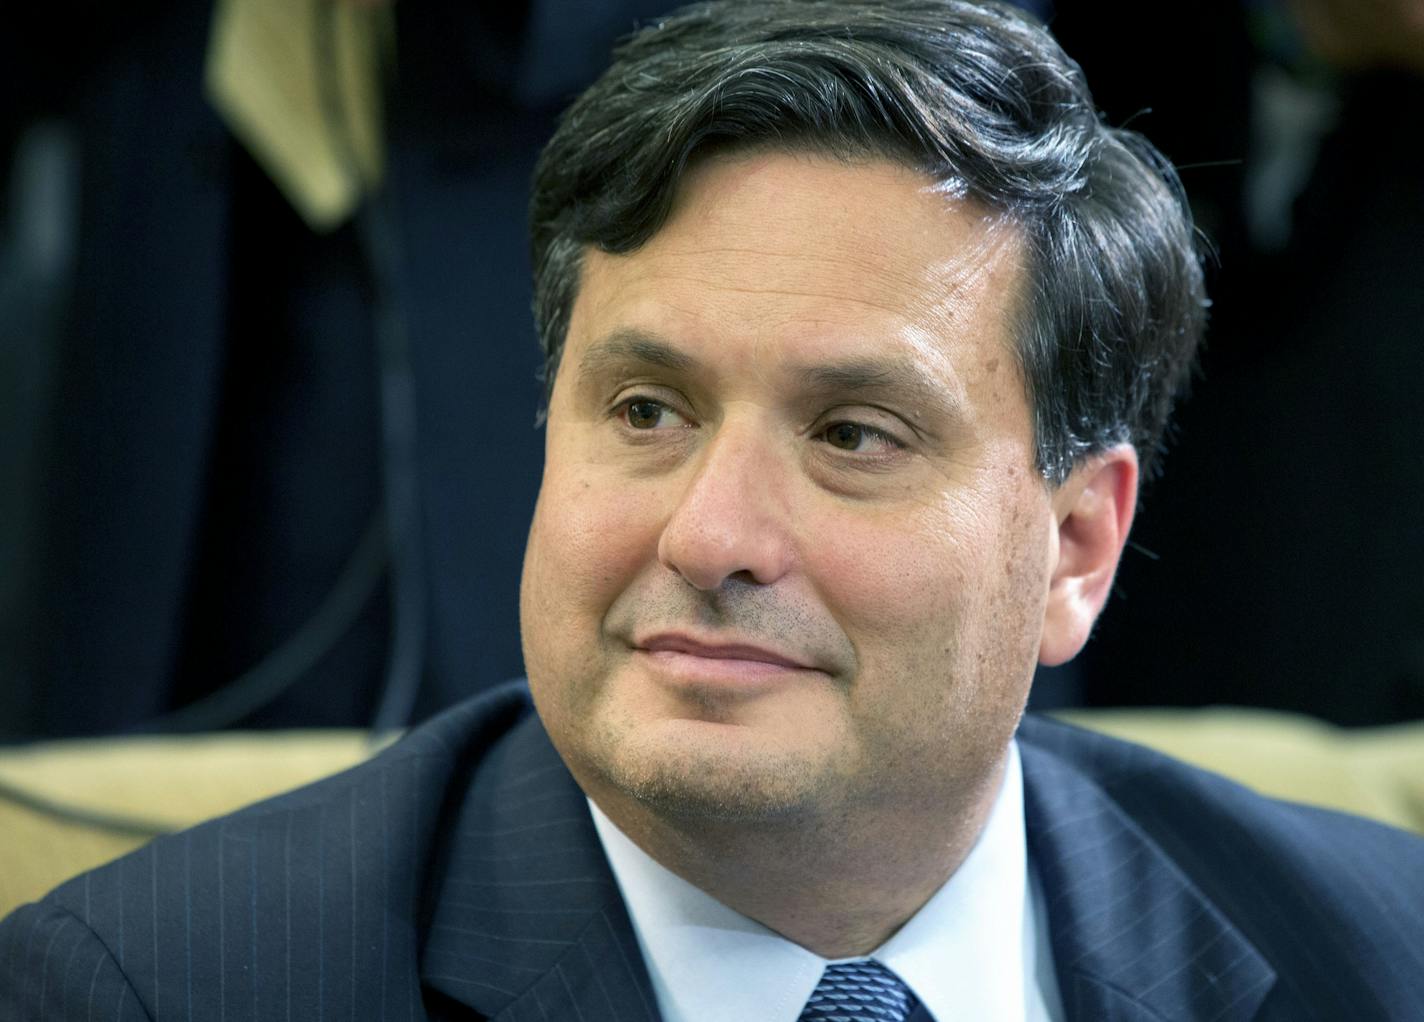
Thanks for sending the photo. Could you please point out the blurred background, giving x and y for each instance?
(268, 373)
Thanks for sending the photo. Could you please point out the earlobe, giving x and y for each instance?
(1094, 508)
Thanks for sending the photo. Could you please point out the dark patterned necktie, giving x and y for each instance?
(859, 992)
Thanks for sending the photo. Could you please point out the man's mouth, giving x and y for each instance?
(693, 659)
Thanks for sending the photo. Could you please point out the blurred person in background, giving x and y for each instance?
(269, 456)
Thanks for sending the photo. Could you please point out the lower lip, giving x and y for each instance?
(693, 669)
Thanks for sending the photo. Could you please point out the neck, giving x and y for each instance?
(839, 884)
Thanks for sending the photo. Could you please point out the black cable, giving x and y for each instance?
(376, 225)
(393, 535)
(285, 665)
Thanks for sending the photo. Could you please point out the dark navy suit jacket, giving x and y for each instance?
(458, 876)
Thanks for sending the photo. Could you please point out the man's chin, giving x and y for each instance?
(702, 770)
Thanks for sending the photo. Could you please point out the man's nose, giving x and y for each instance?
(733, 517)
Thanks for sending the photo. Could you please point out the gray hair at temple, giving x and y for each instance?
(980, 98)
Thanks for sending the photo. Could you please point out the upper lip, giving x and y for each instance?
(679, 642)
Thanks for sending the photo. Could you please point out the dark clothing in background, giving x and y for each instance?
(207, 458)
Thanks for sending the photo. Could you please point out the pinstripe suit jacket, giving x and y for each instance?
(458, 876)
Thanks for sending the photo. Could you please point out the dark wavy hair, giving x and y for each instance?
(978, 97)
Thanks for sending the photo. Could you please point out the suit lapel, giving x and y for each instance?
(1133, 937)
(528, 922)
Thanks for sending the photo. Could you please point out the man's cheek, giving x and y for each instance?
(876, 576)
(596, 538)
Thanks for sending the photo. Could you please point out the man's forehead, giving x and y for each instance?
(829, 246)
(805, 200)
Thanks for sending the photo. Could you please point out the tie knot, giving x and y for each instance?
(859, 992)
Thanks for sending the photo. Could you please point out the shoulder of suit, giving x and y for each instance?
(406, 782)
(296, 877)
(1133, 773)
(1207, 822)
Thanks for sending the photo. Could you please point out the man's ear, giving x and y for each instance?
(1094, 508)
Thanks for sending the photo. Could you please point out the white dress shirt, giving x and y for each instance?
(978, 949)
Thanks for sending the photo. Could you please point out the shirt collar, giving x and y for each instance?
(976, 949)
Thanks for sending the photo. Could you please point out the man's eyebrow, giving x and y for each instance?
(875, 376)
(895, 379)
(633, 346)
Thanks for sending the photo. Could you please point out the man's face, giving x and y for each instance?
(790, 554)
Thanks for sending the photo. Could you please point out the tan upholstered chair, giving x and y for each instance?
(67, 806)
(70, 805)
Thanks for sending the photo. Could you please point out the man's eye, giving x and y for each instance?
(646, 413)
(845, 435)
(852, 436)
